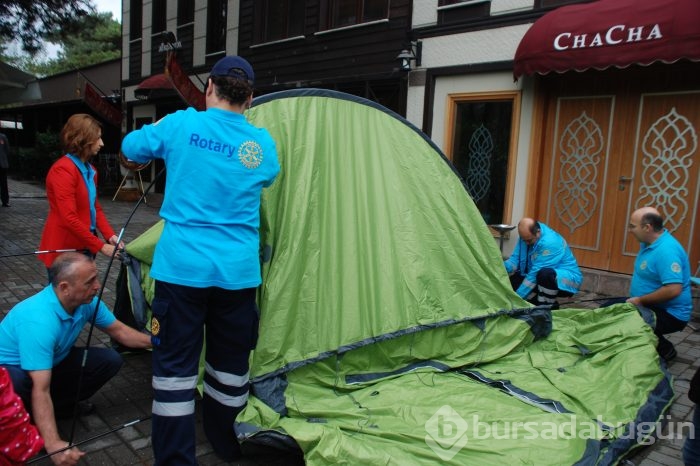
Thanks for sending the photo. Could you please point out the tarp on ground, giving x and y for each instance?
(389, 332)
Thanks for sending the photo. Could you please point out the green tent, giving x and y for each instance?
(389, 332)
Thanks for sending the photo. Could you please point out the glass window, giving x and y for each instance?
(159, 19)
(556, 3)
(279, 19)
(462, 11)
(482, 149)
(216, 26)
(135, 20)
(348, 12)
(185, 12)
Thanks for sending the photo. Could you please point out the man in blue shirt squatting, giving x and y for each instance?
(206, 264)
(542, 266)
(36, 348)
(661, 278)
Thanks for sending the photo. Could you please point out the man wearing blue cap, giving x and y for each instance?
(206, 264)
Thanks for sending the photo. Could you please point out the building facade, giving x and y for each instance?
(575, 113)
(346, 46)
(577, 129)
(331, 44)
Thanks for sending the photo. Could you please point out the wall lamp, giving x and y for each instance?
(413, 53)
(116, 97)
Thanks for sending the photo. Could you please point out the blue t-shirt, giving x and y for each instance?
(38, 333)
(217, 165)
(664, 262)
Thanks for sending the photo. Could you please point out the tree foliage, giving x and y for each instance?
(89, 39)
(29, 21)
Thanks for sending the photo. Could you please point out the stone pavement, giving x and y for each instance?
(127, 398)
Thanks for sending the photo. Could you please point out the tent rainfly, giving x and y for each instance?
(389, 333)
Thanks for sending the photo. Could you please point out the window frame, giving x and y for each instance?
(453, 101)
(185, 12)
(135, 20)
(291, 8)
(551, 4)
(159, 23)
(461, 11)
(328, 7)
(216, 45)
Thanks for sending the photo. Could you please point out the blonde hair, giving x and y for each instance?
(80, 131)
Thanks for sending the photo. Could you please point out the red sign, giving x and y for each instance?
(108, 111)
(182, 83)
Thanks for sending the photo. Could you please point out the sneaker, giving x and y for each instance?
(85, 408)
(669, 355)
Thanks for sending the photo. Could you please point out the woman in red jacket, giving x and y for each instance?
(75, 215)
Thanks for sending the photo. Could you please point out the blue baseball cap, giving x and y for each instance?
(235, 67)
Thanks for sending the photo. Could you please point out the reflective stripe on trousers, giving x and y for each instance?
(231, 320)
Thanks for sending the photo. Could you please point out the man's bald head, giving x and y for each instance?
(529, 230)
(648, 216)
(646, 224)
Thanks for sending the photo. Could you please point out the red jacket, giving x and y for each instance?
(68, 223)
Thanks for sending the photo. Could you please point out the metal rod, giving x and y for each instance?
(97, 305)
(90, 439)
(604, 298)
(47, 251)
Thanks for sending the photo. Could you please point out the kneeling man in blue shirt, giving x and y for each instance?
(661, 278)
(542, 266)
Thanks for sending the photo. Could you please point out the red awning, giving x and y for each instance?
(610, 33)
(157, 81)
(154, 86)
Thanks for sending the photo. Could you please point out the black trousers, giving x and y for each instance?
(4, 190)
(101, 365)
(546, 289)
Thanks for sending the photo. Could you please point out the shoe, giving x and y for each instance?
(669, 355)
(6, 205)
(85, 408)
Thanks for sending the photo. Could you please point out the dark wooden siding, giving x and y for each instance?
(135, 59)
(360, 53)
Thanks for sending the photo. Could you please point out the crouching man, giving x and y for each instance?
(36, 348)
(542, 266)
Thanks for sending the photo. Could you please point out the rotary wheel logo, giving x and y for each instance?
(250, 154)
(155, 326)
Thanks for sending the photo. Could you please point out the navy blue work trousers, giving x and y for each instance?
(182, 318)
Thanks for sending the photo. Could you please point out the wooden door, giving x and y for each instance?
(664, 170)
(606, 155)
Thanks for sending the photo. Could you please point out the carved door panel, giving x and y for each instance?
(664, 171)
(577, 164)
(607, 155)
